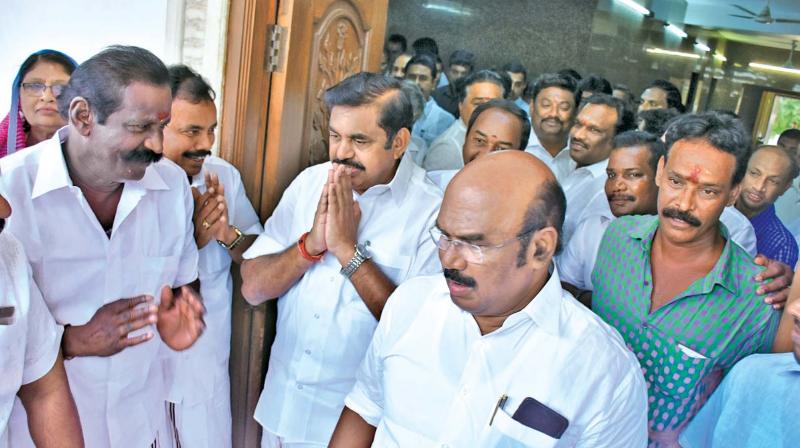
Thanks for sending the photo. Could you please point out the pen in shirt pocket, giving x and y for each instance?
(7, 315)
(500, 403)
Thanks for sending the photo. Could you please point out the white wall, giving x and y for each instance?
(81, 28)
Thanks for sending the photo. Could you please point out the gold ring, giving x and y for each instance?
(206, 224)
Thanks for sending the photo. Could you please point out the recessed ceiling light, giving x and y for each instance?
(636, 7)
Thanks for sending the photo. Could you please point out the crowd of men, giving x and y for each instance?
(486, 260)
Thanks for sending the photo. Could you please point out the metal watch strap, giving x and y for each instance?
(358, 259)
(236, 241)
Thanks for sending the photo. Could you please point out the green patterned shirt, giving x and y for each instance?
(687, 345)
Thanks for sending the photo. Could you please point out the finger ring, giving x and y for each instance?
(206, 224)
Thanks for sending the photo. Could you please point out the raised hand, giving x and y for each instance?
(180, 317)
(344, 214)
(107, 331)
(210, 213)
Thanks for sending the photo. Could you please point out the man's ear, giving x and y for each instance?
(734, 194)
(542, 247)
(660, 170)
(401, 140)
(81, 116)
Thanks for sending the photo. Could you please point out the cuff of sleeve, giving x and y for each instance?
(44, 363)
(263, 245)
(358, 401)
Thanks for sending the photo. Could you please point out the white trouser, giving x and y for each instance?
(206, 424)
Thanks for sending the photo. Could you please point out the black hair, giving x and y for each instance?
(425, 44)
(792, 133)
(516, 67)
(510, 107)
(366, 88)
(398, 39)
(425, 59)
(572, 73)
(657, 120)
(415, 96)
(547, 209)
(653, 144)
(719, 130)
(673, 94)
(102, 78)
(625, 118)
(501, 79)
(595, 84)
(462, 57)
(56, 58)
(189, 85)
(550, 80)
(794, 168)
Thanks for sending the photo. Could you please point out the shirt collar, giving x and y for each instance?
(766, 215)
(52, 173)
(399, 184)
(545, 308)
(721, 274)
(596, 169)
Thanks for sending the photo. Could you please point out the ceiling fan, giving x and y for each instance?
(765, 16)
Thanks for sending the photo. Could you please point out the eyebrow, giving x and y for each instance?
(470, 237)
(704, 184)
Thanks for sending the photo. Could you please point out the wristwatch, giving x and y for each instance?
(362, 254)
(236, 241)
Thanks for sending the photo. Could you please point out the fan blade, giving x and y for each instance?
(743, 17)
(787, 21)
(745, 10)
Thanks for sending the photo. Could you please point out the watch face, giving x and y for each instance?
(363, 249)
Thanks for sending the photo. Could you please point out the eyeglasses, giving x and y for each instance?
(472, 253)
(38, 88)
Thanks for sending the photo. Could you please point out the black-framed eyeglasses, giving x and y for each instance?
(472, 253)
(38, 88)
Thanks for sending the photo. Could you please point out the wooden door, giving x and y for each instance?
(274, 125)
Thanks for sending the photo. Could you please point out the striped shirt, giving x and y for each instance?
(687, 345)
(773, 239)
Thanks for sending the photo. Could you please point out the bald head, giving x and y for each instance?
(512, 189)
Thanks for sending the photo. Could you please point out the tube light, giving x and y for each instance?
(775, 68)
(447, 9)
(636, 7)
(720, 57)
(673, 53)
(676, 31)
(702, 47)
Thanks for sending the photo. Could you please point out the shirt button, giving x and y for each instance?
(299, 387)
(316, 316)
(308, 352)
(332, 279)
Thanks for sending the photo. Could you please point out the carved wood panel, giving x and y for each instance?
(339, 49)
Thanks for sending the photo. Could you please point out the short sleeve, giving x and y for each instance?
(366, 397)
(43, 341)
(187, 266)
(571, 264)
(278, 234)
(426, 259)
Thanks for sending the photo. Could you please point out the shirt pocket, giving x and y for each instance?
(675, 368)
(505, 432)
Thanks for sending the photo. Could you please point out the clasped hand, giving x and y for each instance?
(335, 227)
(211, 213)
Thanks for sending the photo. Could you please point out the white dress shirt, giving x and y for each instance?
(416, 150)
(323, 325)
(431, 379)
(522, 104)
(446, 152)
(576, 261)
(580, 186)
(787, 207)
(30, 343)
(740, 229)
(78, 268)
(433, 122)
(561, 165)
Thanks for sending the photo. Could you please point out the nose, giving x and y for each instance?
(155, 141)
(47, 95)
(206, 141)
(578, 132)
(452, 259)
(619, 184)
(344, 149)
(686, 199)
(761, 185)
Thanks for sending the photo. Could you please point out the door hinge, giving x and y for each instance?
(276, 43)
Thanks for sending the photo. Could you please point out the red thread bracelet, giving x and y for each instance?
(301, 245)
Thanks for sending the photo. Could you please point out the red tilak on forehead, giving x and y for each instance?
(694, 176)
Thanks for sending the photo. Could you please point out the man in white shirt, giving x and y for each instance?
(630, 189)
(445, 152)
(600, 118)
(552, 105)
(788, 205)
(421, 70)
(108, 234)
(333, 266)
(30, 341)
(225, 225)
(494, 352)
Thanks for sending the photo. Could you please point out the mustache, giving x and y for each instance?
(624, 197)
(197, 154)
(456, 276)
(350, 162)
(553, 120)
(686, 217)
(141, 154)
